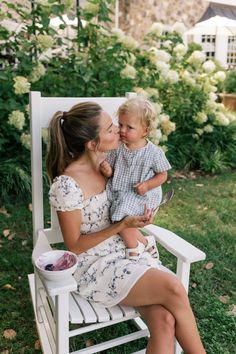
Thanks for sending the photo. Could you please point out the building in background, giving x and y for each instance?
(216, 32)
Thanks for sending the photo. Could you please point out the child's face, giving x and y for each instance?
(131, 129)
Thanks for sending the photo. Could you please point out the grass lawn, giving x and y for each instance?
(203, 211)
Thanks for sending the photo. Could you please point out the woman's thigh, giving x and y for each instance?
(154, 287)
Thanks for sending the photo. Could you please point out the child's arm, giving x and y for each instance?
(156, 181)
(106, 168)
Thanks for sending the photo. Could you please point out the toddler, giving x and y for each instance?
(137, 169)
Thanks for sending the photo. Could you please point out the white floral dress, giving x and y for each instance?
(103, 275)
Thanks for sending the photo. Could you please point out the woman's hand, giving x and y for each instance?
(139, 221)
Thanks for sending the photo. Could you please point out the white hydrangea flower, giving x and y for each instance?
(168, 127)
(162, 55)
(186, 76)
(37, 72)
(197, 58)
(164, 138)
(158, 108)
(219, 76)
(131, 59)
(156, 135)
(180, 49)
(152, 92)
(164, 148)
(164, 117)
(26, 140)
(156, 28)
(209, 66)
(172, 76)
(211, 106)
(141, 92)
(167, 44)
(117, 32)
(208, 128)
(200, 118)
(221, 107)
(207, 87)
(128, 42)
(21, 85)
(162, 67)
(221, 119)
(92, 8)
(27, 109)
(199, 131)
(212, 96)
(195, 136)
(44, 41)
(17, 119)
(129, 72)
(231, 116)
(179, 28)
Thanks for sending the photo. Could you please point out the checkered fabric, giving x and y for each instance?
(129, 168)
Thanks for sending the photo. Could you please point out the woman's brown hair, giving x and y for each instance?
(68, 134)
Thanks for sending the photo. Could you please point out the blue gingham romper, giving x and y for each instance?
(129, 168)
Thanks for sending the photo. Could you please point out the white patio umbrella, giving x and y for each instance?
(216, 25)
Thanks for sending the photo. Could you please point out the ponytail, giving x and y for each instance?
(58, 156)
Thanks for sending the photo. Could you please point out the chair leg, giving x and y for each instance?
(62, 324)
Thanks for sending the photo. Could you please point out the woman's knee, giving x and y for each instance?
(177, 290)
(166, 318)
(161, 319)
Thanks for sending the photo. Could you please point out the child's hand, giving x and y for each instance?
(106, 169)
(141, 188)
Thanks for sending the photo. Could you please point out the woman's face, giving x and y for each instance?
(108, 135)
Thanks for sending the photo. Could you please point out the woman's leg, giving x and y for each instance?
(161, 325)
(160, 288)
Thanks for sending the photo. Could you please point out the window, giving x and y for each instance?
(231, 54)
(208, 45)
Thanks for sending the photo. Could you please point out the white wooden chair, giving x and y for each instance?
(56, 306)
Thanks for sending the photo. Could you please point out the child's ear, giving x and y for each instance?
(145, 131)
(91, 145)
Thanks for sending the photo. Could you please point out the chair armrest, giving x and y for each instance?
(175, 245)
(57, 288)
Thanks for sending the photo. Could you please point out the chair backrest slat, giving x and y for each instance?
(42, 110)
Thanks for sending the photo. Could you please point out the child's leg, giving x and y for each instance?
(134, 241)
(131, 236)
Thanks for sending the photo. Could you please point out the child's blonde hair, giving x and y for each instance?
(143, 109)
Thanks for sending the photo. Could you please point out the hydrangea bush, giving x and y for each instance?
(97, 60)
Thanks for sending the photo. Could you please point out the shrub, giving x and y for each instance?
(230, 82)
(195, 130)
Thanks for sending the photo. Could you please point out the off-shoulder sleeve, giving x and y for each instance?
(65, 194)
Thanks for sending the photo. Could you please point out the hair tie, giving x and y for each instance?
(63, 117)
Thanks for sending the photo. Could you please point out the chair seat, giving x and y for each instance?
(92, 314)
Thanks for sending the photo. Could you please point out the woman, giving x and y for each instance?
(79, 140)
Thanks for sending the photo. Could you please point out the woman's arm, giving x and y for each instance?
(70, 223)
